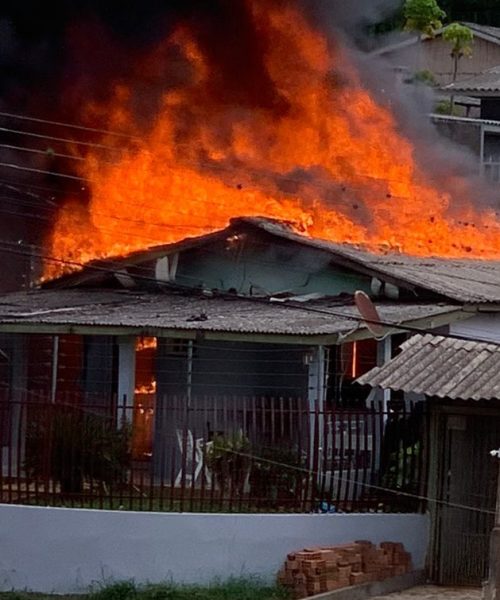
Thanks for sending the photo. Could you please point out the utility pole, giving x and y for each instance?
(491, 590)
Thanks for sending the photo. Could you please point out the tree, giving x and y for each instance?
(423, 16)
(460, 37)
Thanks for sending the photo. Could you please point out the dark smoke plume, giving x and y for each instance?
(355, 14)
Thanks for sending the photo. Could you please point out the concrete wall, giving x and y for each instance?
(66, 550)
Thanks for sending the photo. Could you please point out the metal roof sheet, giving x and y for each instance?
(443, 367)
(180, 312)
(487, 81)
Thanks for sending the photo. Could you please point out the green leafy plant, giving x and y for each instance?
(228, 457)
(248, 588)
(71, 446)
(277, 477)
(460, 37)
(425, 77)
(446, 107)
(423, 16)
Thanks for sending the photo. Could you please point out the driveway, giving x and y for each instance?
(434, 592)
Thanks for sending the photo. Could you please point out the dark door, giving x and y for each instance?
(466, 497)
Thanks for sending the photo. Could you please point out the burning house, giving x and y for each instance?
(245, 336)
(195, 323)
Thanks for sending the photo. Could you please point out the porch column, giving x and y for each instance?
(491, 590)
(384, 355)
(126, 376)
(317, 374)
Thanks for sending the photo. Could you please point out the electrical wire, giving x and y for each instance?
(42, 172)
(66, 125)
(47, 153)
(316, 473)
(59, 139)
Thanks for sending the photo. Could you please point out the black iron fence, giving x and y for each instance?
(212, 454)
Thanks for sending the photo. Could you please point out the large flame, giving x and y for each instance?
(324, 155)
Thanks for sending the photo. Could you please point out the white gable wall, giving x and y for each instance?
(484, 327)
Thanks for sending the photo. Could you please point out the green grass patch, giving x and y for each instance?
(232, 589)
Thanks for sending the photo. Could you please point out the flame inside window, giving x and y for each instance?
(145, 398)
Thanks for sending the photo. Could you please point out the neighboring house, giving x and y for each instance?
(461, 382)
(423, 53)
(249, 332)
(481, 135)
(475, 93)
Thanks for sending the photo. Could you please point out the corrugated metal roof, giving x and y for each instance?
(471, 120)
(487, 81)
(443, 367)
(143, 310)
(461, 280)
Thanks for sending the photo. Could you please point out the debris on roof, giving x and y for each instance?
(68, 310)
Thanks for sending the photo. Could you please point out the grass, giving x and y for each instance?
(232, 589)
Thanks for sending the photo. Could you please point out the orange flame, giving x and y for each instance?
(328, 157)
(146, 389)
(146, 343)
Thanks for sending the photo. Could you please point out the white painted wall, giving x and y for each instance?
(484, 327)
(65, 550)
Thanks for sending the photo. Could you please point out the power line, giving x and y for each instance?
(317, 473)
(42, 172)
(213, 165)
(58, 139)
(67, 125)
(48, 152)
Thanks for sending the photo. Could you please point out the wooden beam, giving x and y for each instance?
(349, 334)
(271, 338)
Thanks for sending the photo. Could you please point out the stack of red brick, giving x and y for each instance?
(322, 569)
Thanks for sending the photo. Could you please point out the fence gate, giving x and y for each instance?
(466, 494)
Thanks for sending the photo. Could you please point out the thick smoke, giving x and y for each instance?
(447, 164)
(56, 54)
(355, 15)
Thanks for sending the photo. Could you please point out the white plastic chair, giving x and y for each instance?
(192, 472)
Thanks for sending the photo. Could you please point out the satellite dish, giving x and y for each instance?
(369, 313)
